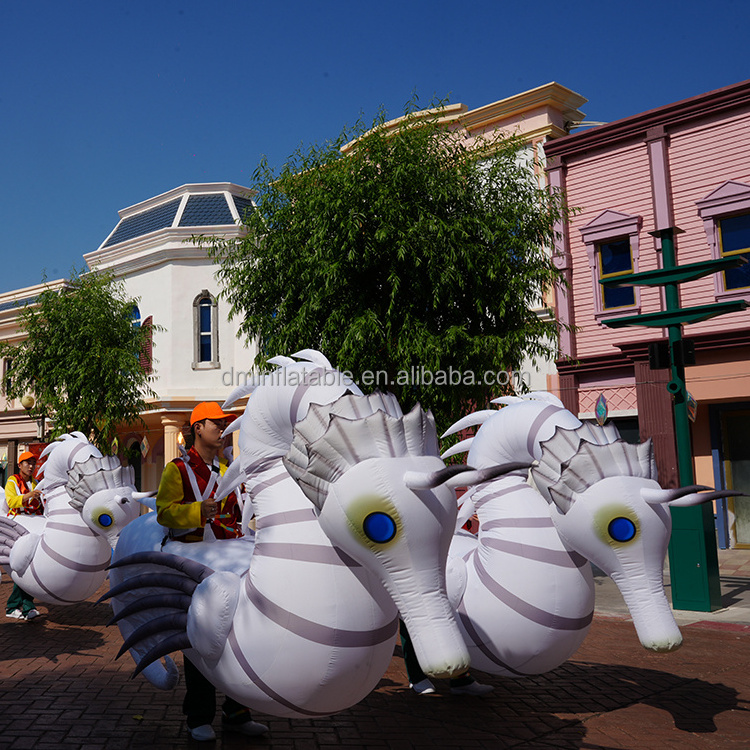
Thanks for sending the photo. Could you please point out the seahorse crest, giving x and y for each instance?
(335, 437)
(573, 460)
(96, 474)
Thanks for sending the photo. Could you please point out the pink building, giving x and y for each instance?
(684, 165)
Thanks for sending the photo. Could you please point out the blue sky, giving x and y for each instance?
(105, 104)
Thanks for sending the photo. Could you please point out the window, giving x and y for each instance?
(205, 328)
(726, 221)
(612, 245)
(615, 259)
(734, 239)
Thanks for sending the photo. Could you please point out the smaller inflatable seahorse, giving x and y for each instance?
(62, 556)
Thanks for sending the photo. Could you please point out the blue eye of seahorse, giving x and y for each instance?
(379, 527)
(104, 520)
(621, 529)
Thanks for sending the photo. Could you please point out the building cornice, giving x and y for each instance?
(503, 113)
(637, 127)
(551, 95)
(162, 246)
(31, 292)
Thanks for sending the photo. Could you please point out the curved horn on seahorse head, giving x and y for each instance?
(314, 356)
(458, 476)
(683, 497)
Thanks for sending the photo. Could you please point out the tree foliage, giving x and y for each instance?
(80, 358)
(407, 250)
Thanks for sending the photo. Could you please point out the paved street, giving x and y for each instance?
(61, 688)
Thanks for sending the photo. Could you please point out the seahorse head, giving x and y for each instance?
(607, 505)
(104, 492)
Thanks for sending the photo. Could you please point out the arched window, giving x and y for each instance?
(205, 331)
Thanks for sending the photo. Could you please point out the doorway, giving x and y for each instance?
(734, 468)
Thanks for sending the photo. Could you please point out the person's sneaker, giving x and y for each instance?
(423, 687)
(16, 614)
(250, 728)
(31, 614)
(472, 688)
(203, 733)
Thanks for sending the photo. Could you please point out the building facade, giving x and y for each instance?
(685, 165)
(195, 354)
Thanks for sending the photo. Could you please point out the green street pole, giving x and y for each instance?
(693, 559)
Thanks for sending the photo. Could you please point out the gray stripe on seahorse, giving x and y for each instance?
(70, 529)
(76, 450)
(63, 512)
(299, 393)
(482, 499)
(260, 465)
(527, 610)
(518, 523)
(305, 553)
(72, 564)
(561, 558)
(260, 684)
(281, 519)
(32, 569)
(481, 645)
(266, 483)
(536, 425)
(314, 631)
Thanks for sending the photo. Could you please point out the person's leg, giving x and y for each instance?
(15, 600)
(413, 670)
(199, 705)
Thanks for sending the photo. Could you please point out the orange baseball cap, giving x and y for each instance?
(208, 410)
(26, 456)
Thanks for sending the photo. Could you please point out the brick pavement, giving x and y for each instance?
(61, 688)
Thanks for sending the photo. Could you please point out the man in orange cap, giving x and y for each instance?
(186, 505)
(23, 498)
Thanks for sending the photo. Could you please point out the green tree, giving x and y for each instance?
(404, 250)
(81, 358)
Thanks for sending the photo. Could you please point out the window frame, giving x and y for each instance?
(213, 363)
(730, 199)
(611, 226)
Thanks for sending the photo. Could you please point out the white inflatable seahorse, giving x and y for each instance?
(523, 588)
(355, 513)
(62, 556)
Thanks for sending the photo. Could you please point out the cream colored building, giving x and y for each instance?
(197, 355)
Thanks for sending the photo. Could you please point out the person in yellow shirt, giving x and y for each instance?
(186, 505)
(22, 497)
